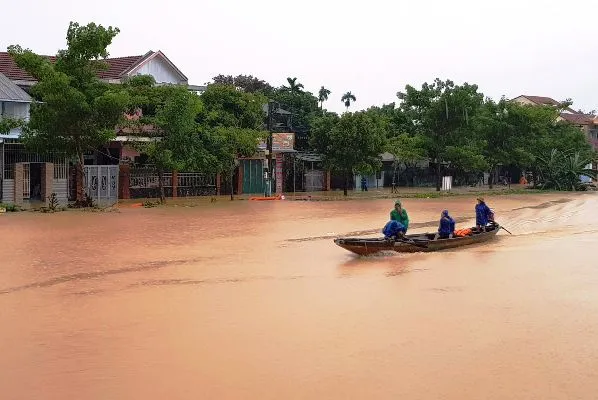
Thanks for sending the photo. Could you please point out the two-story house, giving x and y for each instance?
(587, 123)
(26, 179)
(119, 69)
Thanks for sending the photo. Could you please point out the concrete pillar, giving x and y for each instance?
(175, 183)
(47, 177)
(18, 200)
(124, 181)
(279, 174)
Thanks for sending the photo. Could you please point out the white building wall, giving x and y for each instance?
(160, 70)
(16, 110)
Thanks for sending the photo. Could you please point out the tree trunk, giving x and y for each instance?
(346, 184)
(438, 175)
(161, 185)
(232, 176)
(491, 178)
(80, 192)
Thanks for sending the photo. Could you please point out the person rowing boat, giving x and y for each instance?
(483, 214)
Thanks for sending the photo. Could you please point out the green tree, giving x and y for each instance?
(232, 122)
(226, 144)
(294, 86)
(347, 99)
(224, 106)
(323, 96)
(441, 113)
(394, 119)
(563, 170)
(7, 124)
(75, 111)
(351, 143)
(145, 96)
(179, 146)
(248, 83)
(496, 126)
(407, 150)
(303, 106)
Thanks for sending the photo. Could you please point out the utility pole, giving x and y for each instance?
(269, 173)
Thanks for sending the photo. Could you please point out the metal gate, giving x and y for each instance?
(253, 176)
(26, 181)
(101, 183)
(314, 180)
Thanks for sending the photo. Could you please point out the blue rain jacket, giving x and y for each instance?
(393, 228)
(447, 226)
(482, 214)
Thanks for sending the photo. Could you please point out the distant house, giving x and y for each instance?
(541, 101)
(587, 123)
(26, 179)
(119, 69)
(154, 63)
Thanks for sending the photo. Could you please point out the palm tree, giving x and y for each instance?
(294, 87)
(347, 99)
(323, 96)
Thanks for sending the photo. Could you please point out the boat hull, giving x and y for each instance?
(413, 243)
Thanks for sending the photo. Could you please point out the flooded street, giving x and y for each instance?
(252, 300)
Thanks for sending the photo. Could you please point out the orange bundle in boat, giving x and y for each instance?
(463, 232)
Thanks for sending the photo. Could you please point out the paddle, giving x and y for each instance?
(502, 227)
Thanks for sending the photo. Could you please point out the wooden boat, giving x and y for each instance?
(423, 242)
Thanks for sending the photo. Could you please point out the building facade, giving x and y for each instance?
(26, 179)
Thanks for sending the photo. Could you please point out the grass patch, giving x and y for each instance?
(10, 207)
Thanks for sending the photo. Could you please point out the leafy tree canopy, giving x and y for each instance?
(75, 112)
(350, 143)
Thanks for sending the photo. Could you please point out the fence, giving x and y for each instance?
(144, 183)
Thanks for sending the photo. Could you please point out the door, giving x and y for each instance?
(253, 177)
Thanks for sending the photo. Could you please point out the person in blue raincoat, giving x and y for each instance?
(483, 214)
(393, 230)
(446, 227)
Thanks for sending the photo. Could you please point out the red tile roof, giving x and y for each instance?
(578, 119)
(9, 68)
(546, 101)
(117, 67)
(543, 100)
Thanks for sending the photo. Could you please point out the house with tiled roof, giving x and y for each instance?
(154, 63)
(587, 123)
(28, 170)
(540, 101)
(26, 179)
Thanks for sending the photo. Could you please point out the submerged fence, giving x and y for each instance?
(144, 183)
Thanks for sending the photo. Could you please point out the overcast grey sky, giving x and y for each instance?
(371, 47)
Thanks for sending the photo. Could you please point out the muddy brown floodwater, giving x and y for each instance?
(252, 300)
